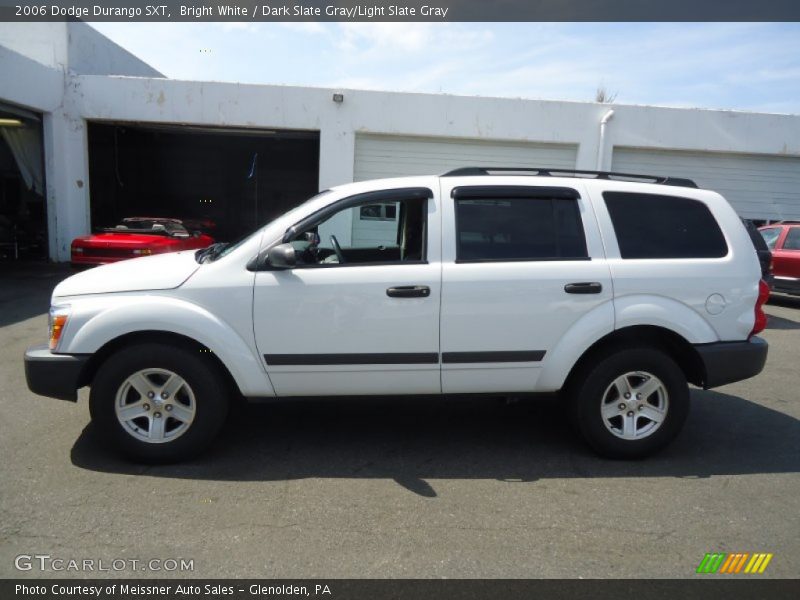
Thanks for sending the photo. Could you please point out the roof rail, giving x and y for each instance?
(548, 172)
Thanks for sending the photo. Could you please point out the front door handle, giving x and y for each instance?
(585, 287)
(409, 291)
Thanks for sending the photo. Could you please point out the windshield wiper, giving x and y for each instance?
(210, 252)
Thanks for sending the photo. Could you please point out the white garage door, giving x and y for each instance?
(392, 156)
(758, 186)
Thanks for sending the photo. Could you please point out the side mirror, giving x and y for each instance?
(281, 256)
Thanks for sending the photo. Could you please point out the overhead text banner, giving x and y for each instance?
(401, 10)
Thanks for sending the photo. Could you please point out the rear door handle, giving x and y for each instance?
(585, 287)
(409, 291)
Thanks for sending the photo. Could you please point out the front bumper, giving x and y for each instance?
(54, 375)
(727, 362)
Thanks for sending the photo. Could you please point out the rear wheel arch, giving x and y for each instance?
(666, 340)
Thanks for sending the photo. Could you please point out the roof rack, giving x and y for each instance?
(548, 172)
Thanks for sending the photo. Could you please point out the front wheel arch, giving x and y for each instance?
(156, 337)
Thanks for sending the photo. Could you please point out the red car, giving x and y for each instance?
(784, 241)
(134, 237)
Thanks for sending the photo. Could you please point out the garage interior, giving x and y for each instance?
(227, 181)
(23, 219)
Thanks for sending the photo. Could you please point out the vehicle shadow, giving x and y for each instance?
(784, 300)
(25, 289)
(776, 322)
(416, 441)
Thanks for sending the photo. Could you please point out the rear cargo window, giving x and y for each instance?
(656, 226)
(518, 229)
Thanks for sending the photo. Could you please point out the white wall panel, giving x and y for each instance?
(758, 186)
(392, 156)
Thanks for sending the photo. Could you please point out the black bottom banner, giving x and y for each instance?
(402, 589)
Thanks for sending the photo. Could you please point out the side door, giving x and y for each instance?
(786, 259)
(357, 315)
(521, 263)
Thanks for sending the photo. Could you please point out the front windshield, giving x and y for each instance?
(144, 225)
(228, 248)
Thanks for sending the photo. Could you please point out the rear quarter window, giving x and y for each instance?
(660, 226)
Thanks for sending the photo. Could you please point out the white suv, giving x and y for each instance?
(614, 290)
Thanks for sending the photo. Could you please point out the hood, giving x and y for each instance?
(158, 272)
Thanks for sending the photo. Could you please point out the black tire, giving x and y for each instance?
(211, 400)
(587, 394)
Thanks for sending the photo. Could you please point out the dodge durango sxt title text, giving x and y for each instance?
(612, 291)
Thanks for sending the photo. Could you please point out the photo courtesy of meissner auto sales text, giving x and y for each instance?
(362, 300)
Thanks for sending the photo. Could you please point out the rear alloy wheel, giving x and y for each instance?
(631, 403)
(635, 405)
(158, 403)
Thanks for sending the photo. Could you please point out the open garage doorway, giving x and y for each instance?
(23, 219)
(223, 181)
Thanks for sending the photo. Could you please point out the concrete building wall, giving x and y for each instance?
(45, 43)
(429, 115)
(38, 66)
(29, 83)
(91, 53)
(74, 47)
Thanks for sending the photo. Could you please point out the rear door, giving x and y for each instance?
(521, 263)
(786, 257)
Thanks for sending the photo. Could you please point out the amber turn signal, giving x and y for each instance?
(57, 323)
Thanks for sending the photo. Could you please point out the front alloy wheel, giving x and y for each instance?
(158, 402)
(155, 405)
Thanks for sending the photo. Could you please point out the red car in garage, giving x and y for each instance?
(134, 237)
(784, 241)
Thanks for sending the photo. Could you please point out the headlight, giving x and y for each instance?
(141, 251)
(56, 322)
(77, 250)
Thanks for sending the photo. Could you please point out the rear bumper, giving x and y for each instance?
(727, 362)
(94, 261)
(54, 375)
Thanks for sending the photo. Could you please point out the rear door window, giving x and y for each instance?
(660, 226)
(502, 223)
(792, 241)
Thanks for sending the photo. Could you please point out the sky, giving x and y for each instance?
(742, 66)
